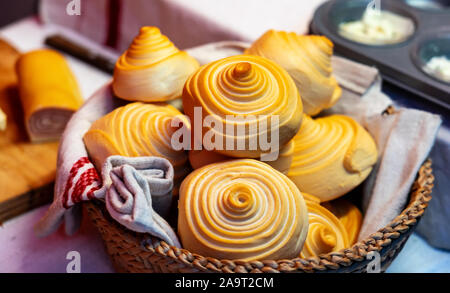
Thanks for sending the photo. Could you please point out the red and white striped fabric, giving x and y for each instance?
(83, 181)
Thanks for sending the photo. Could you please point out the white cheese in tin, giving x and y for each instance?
(378, 27)
(439, 66)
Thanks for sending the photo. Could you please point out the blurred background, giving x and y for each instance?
(15, 10)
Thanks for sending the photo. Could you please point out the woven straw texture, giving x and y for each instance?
(141, 253)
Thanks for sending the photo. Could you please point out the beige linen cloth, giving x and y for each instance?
(404, 138)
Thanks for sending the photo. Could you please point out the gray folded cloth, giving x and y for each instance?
(138, 191)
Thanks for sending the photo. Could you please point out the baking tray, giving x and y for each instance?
(402, 63)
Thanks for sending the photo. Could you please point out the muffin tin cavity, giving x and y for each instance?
(354, 21)
(409, 63)
(432, 55)
(432, 5)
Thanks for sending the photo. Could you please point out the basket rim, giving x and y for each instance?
(420, 195)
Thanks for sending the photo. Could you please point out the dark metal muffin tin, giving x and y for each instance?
(399, 63)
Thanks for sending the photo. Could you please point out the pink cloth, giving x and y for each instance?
(22, 252)
(186, 23)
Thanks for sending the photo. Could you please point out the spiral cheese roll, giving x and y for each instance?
(309, 197)
(136, 130)
(308, 61)
(332, 155)
(49, 93)
(3, 120)
(241, 209)
(349, 215)
(202, 158)
(242, 96)
(285, 157)
(325, 233)
(152, 69)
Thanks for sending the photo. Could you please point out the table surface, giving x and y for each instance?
(22, 251)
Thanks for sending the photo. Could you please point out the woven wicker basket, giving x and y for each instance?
(141, 253)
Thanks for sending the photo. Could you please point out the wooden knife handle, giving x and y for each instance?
(67, 46)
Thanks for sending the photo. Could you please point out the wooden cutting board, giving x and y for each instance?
(27, 170)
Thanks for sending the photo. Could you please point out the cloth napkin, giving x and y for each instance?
(404, 140)
(139, 194)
